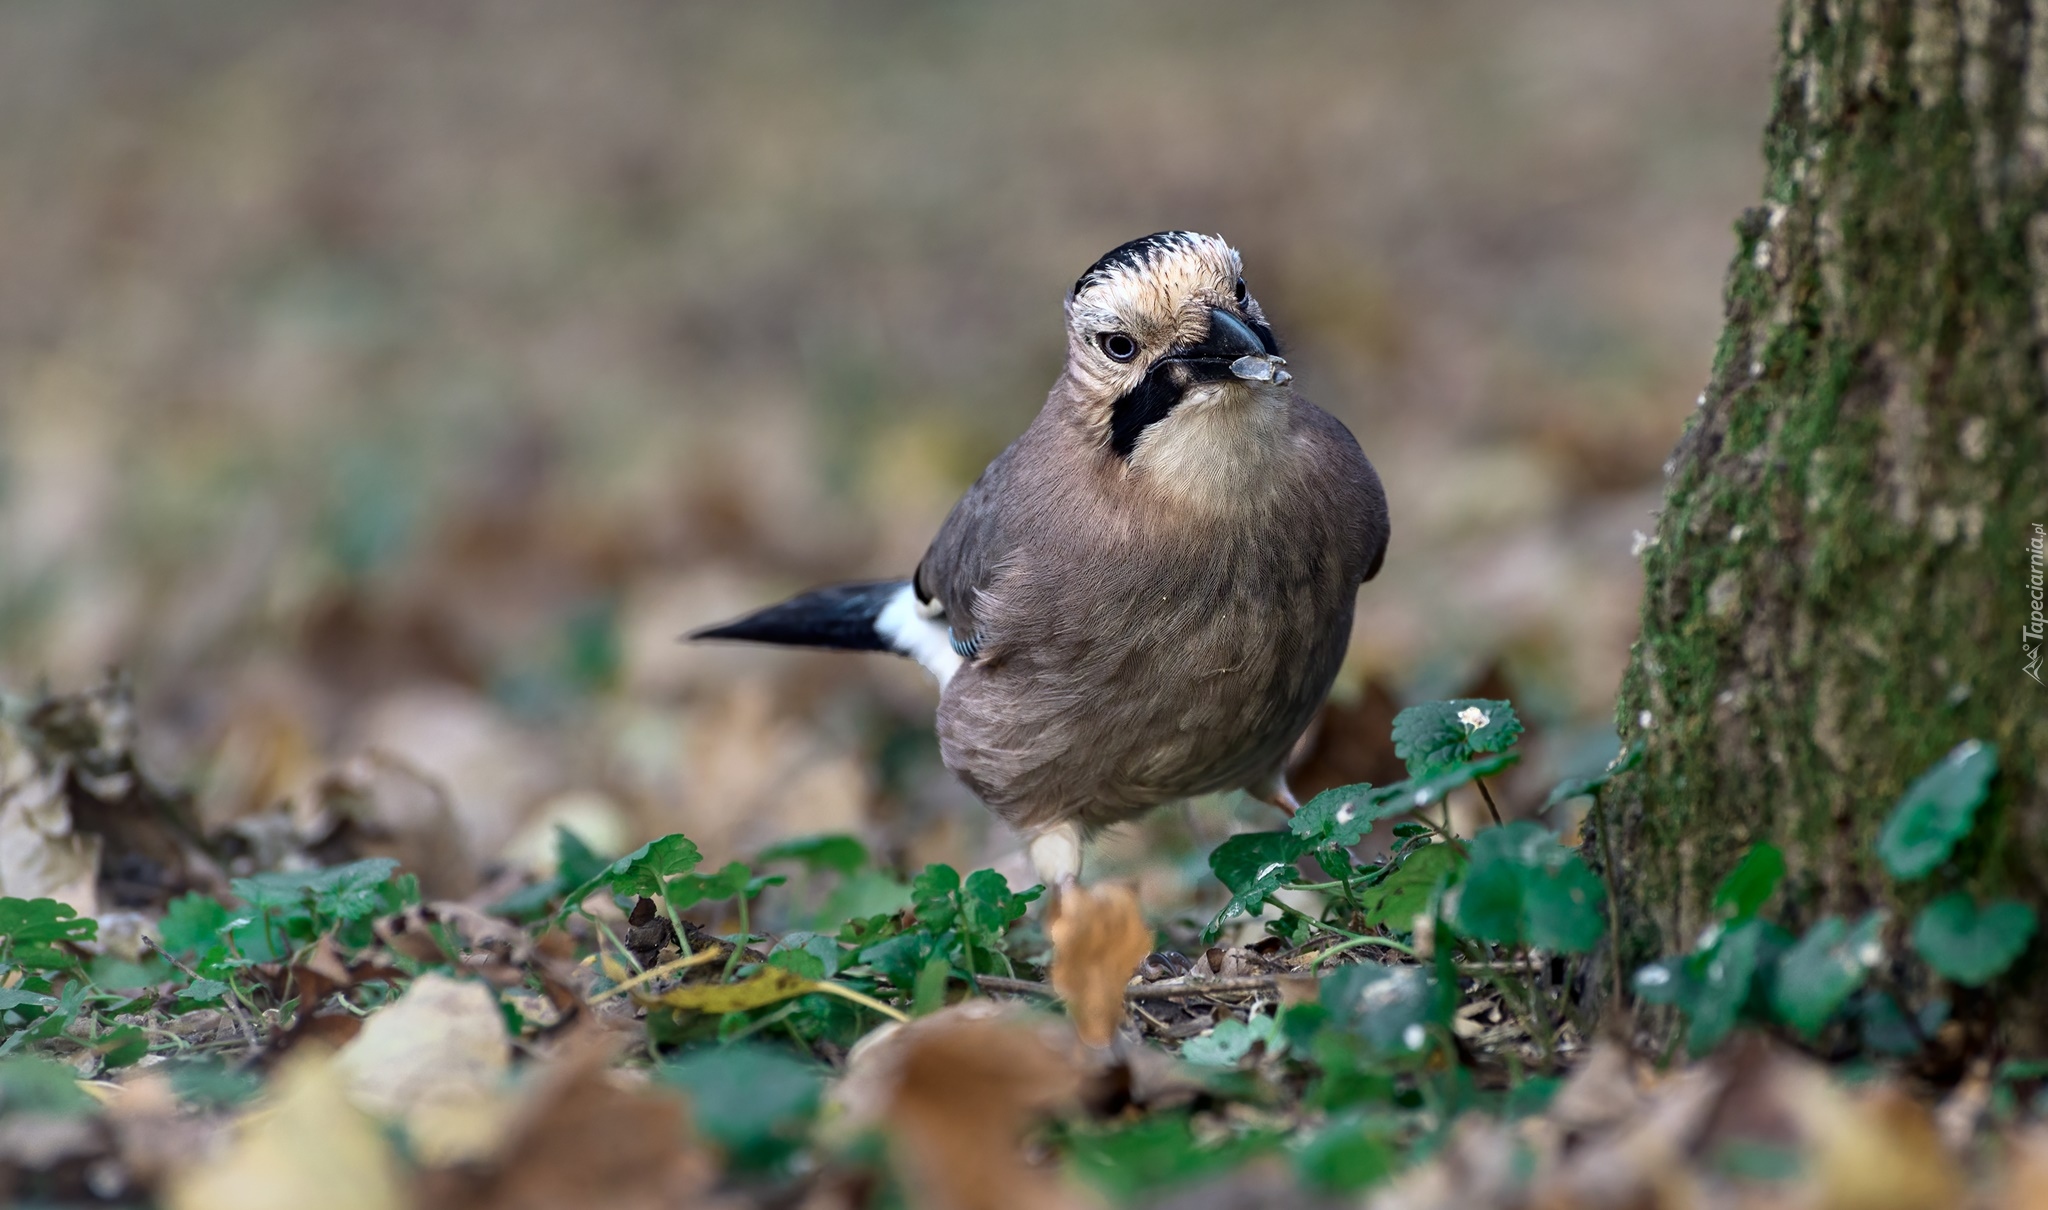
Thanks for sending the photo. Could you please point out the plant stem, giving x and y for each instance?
(861, 998)
(675, 922)
(605, 930)
(745, 936)
(1355, 942)
(1488, 796)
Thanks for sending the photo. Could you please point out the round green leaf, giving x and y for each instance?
(1818, 974)
(1973, 944)
(1937, 810)
(1751, 882)
(1434, 736)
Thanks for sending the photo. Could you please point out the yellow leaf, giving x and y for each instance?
(771, 985)
(1098, 939)
(309, 1149)
(612, 968)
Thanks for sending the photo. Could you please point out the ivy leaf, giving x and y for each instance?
(35, 928)
(1404, 894)
(935, 897)
(1937, 810)
(830, 851)
(1253, 860)
(1423, 791)
(121, 1045)
(204, 991)
(1523, 886)
(1390, 1008)
(1562, 912)
(1820, 972)
(15, 997)
(1434, 736)
(1665, 982)
(575, 862)
(765, 1098)
(1343, 816)
(1232, 1039)
(192, 924)
(1158, 1152)
(1573, 787)
(859, 895)
(345, 892)
(822, 951)
(1717, 984)
(40, 1086)
(692, 889)
(644, 871)
(1347, 1156)
(1750, 883)
(990, 907)
(1972, 944)
(898, 959)
(1253, 865)
(354, 891)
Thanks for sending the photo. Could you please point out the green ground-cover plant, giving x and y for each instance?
(1507, 897)
(781, 963)
(1748, 968)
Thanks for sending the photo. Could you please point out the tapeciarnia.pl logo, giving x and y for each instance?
(2037, 624)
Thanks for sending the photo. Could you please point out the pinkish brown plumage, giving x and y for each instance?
(1146, 596)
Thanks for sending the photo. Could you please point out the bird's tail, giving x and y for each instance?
(841, 617)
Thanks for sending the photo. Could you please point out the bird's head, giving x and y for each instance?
(1162, 330)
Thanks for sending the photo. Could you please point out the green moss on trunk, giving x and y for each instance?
(1839, 578)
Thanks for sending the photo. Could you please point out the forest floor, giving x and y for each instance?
(274, 1014)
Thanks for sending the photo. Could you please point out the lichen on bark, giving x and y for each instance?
(1838, 579)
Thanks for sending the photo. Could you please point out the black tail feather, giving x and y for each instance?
(841, 617)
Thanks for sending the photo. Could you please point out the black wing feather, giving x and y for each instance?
(841, 617)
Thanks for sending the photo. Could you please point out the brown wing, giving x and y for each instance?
(970, 546)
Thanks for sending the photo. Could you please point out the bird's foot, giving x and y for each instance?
(1056, 856)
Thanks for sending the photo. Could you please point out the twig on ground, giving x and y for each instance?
(1165, 989)
(1016, 987)
(234, 1003)
(1188, 988)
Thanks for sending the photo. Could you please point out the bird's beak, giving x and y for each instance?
(1232, 349)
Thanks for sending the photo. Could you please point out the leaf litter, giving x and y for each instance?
(299, 1023)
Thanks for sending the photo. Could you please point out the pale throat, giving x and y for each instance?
(1220, 447)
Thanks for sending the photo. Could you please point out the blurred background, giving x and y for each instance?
(397, 381)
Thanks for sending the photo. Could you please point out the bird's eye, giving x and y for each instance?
(1119, 346)
(1241, 291)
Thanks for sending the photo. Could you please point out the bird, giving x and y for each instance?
(1148, 594)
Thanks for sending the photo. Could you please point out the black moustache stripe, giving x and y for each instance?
(1143, 406)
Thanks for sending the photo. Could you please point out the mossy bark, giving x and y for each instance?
(1841, 575)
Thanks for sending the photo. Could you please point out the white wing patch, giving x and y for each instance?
(907, 628)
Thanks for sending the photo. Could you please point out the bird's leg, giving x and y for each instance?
(1276, 793)
(1056, 856)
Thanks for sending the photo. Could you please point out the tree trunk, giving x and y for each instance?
(1842, 574)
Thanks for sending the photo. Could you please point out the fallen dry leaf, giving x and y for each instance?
(435, 1060)
(577, 1138)
(2026, 1174)
(1099, 938)
(306, 1147)
(773, 984)
(399, 812)
(40, 853)
(956, 1092)
(1873, 1150)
